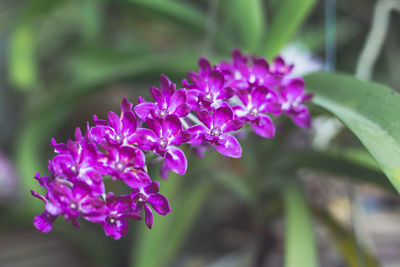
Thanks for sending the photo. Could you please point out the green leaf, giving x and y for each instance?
(22, 58)
(285, 23)
(248, 15)
(371, 111)
(346, 242)
(342, 165)
(187, 16)
(168, 234)
(300, 248)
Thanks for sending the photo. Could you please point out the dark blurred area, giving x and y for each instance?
(62, 61)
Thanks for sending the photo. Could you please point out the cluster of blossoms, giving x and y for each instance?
(210, 109)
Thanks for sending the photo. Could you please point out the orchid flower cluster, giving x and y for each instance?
(210, 109)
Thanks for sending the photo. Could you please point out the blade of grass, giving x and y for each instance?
(345, 241)
(300, 248)
(287, 20)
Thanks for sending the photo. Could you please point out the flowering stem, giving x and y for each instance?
(193, 118)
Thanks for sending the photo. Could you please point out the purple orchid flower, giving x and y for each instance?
(292, 98)
(127, 164)
(208, 91)
(119, 212)
(150, 196)
(74, 202)
(255, 105)
(79, 161)
(168, 101)
(163, 139)
(117, 129)
(214, 131)
(43, 222)
(116, 147)
(245, 73)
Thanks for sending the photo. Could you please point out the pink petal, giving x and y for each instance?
(159, 203)
(221, 116)
(176, 160)
(142, 110)
(230, 146)
(263, 126)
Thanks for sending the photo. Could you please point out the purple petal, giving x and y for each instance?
(197, 132)
(80, 190)
(116, 228)
(126, 106)
(142, 110)
(204, 67)
(159, 203)
(260, 67)
(39, 196)
(158, 97)
(44, 222)
(263, 126)
(183, 110)
(154, 125)
(230, 146)
(177, 99)
(258, 96)
(114, 121)
(152, 188)
(302, 119)
(167, 87)
(171, 126)
(143, 138)
(204, 117)
(129, 123)
(59, 148)
(215, 81)
(176, 160)
(180, 138)
(221, 116)
(136, 178)
(232, 125)
(148, 216)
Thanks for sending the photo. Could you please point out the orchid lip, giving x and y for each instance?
(216, 131)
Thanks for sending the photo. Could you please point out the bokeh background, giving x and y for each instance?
(62, 61)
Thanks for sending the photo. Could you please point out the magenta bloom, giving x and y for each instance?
(78, 162)
(163, 139)
(214, 131)
(208, 89)
(150, 196)
(255, 105)
(127, 164)
(168, 101)
(223, 98)
(119, 212)
(293, 97)
(117, 129)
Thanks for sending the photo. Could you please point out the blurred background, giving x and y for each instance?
(62, 61)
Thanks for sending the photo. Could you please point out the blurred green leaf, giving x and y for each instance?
(92, 18)
(236, 185)
(300, 248)
(285, 23)
(188, 209)
(346, 242)
(166, 239)
(248, 16)
(182, 12)
(187, 16)
(339, 165)
(369, 110)
(150, 245)
(22, 58)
